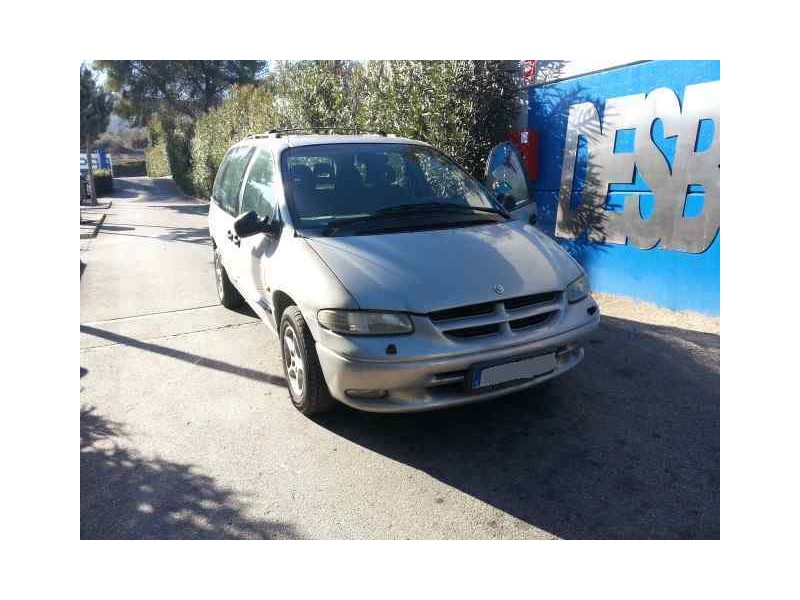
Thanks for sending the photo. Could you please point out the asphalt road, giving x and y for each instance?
(187, 430)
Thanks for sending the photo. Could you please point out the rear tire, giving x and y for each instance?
(304, 378)
(229, 296)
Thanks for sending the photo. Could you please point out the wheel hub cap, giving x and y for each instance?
(295, 369)
(218, 273)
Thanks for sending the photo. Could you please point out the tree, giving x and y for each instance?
(188, 87)
(320, 93)
(247, 109)
(463, 107)
(96, 107)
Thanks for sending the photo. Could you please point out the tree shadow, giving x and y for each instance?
(199, 209)
(194, 359)
(127, 496)
(144, 189)
(582, 224)
(624, 446)
(161, 194)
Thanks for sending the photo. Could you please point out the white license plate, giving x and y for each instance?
(527, 368)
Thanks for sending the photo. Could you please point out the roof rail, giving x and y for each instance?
(307, 130)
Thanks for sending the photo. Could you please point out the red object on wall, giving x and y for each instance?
(527, 143)
(528, 71)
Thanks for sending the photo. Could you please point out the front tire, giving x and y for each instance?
(229, 296)
(304, 378)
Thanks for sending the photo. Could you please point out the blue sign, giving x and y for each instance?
(629, 178)
(100, 160)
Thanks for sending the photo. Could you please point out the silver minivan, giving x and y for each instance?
(393, 279)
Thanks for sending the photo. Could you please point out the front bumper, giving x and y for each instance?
(427, 384)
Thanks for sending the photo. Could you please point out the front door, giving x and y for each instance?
(258, 195)
(224, 208)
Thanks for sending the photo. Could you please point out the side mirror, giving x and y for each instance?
(502, 189)
(506, 176)
(504, 194)
(250, 224)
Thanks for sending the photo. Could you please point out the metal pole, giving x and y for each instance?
(90, 173)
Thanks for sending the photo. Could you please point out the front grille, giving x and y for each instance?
(523, 301)
(530, 321)
(468, 332)
(461, 312)
(520, 314)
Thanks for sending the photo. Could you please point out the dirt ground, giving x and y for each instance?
(644, 312)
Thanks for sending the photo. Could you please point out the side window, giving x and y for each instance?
(216, 191)
(259, 189)
(226, 186)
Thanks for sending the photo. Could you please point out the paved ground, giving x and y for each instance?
(187, 430)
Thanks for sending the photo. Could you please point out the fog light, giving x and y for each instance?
(566, 354)
(366, 394)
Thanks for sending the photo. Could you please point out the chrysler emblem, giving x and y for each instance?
(499, 289)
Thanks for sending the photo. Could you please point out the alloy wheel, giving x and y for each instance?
(218, 274)
(295, 368)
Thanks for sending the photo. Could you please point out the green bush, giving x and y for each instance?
(320, 93)
(156, 155)
(463, 107)
(178, 132)
(170, 139)
(248, 109)
(129, 168)
(103, 182)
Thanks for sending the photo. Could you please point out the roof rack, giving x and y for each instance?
(311, 130)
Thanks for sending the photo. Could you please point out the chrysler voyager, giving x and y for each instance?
(393, 280)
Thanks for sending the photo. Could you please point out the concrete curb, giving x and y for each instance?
(93, 234)
(104, 206)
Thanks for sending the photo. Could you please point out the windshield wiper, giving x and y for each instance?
(437, 206)
(408, 209)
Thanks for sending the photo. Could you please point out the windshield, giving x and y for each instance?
(332, 184)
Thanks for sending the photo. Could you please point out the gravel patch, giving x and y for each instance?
(644, 312)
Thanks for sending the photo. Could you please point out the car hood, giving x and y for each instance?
(431, 270)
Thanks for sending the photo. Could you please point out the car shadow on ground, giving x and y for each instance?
(127, 496)
(624, 446)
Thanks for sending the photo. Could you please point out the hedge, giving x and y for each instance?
(170, 138)
(248, 109)
(103, 182)
(156, 154)
(462, 107)
(178, 132)
(130, 168)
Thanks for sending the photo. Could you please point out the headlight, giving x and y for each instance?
(578, 289)
(362, 322)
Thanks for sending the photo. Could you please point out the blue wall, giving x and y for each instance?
(673, 279)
